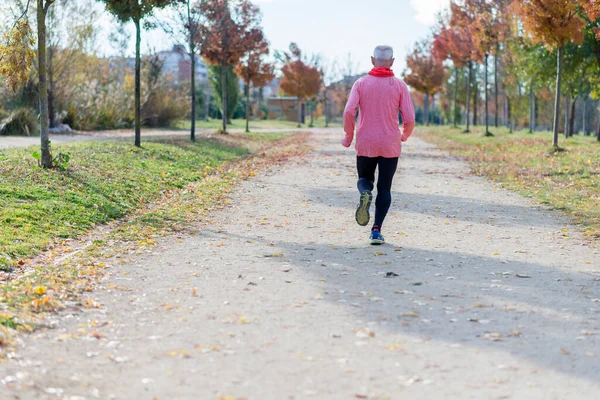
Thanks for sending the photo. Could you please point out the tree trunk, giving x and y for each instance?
(44, 120)
(426, 111)
(509, 114)
(207, 105)
(248, 106)
(496, 119)
(193, 116)
(469, 95)
(598, 133)
(531, 109)
(224, 94)
(192, 46)
(585, 122)
(557, 98)
(567, 109)
(485, 89)
(312, 120)
(138, 84)
(572, 117)
(51, 109)
(326, 109)
(455, 97)
(475, 100)
(299, 113)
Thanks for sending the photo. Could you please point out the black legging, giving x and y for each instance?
(366, 177)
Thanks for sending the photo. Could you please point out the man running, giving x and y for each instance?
(379, 96)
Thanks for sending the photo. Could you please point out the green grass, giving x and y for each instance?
(568, 180)
(254, 124)
(104, 181)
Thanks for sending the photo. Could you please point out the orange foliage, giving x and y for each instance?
(299, 78)
(253, 69)
(232, 30)
(592, 9)
(454, 43)
(425, 74)
(551, 22)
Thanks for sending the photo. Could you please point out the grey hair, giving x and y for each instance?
(383, 53)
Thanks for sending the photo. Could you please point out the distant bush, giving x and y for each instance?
(164, 107)
(20, 122)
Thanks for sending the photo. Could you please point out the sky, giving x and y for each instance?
(336, 29)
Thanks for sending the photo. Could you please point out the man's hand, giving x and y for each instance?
(404, 138)
(346, 142)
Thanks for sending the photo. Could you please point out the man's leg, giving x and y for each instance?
(387, 169)
(366, 176)
(366, 173)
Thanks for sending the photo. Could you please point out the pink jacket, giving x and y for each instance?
(379, 99)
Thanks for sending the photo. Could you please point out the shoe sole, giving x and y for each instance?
(362, 212)
(377, 242)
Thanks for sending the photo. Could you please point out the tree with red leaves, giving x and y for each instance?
(301, 78)
(463, 18)
(232, 29)
(255, 71)
(452, 43)
(424, 73)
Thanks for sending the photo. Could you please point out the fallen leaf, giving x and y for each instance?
(410, 314)
(523, 276)
(194, 292)
(564, 351)
(391, 275)
(395, 347)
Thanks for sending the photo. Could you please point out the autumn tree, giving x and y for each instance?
(452, 43)
(255, 71)
(487, 29)
(231, 29)
(135, 11)
(424, 73)
(462, 19)
(301, 78)
(591, 13)
(185, 29)
(553, 23)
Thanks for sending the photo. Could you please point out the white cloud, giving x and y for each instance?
(428, 9)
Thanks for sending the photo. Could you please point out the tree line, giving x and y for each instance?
(538, 51)
(226, 33)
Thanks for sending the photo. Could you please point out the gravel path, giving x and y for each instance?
(479, 294)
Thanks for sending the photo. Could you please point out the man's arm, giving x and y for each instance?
(349, 114)
(408, 112)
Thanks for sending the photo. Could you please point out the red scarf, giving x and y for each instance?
(381, 72)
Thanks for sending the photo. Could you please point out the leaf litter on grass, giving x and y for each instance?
(44, 285)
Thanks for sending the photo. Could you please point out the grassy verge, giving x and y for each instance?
(254, 124)
(155, 191)
(568, 181)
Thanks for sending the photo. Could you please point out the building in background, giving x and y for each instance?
(177, 63)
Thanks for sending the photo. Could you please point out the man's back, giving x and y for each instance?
(379, 99)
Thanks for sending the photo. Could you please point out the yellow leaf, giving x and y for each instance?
(395, 347)
(40, 290)
(410, 314)
(194, 292)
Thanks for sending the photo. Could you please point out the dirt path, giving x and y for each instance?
(21, 141)
(494, 299)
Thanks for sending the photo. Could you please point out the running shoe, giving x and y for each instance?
(376, 238)
(362, 211)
